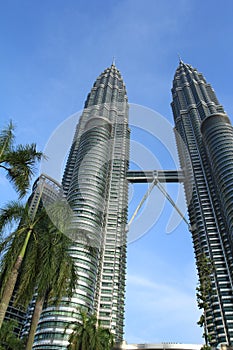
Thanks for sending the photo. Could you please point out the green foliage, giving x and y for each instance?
(14, 213)
(88, 334)
(8, 340)
(46, 262)
(18, 161)
(206, 347)
(204, 291)
(47, 265)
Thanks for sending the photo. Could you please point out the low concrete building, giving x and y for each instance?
(158, 346)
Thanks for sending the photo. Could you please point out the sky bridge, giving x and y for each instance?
(139, 176)
(156, 177)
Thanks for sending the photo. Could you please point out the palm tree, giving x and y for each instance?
(8, 340)
(13, 248)
(36, 254)
(104, 339)
(48, 266)
(18, 161)
(90, 335)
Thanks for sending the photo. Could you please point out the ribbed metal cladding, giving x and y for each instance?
(204, 145)
(89, 185)
(96, 189)
(218, 138)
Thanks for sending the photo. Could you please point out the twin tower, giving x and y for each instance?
(95, 185)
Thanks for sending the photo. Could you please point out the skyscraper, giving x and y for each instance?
(207, 160)
(95, 187)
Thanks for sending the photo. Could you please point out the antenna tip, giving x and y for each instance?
(180, 60)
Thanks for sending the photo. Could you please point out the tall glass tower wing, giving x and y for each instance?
(207, 160)
(95, 187)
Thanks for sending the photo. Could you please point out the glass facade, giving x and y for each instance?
(207, 160)
(96, 188)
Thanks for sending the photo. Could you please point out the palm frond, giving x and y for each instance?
(58, 273)
(6, 242)
(11, 251)
(47, 263)
(89, 334)
(60, 214)
(6, 139)
(20, 165)
(24, 153)
(28, 274)
(11, 214)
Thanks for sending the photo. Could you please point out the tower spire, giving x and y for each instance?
(180, 60)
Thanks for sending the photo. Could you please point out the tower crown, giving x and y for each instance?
(108, 88)
(190, 90)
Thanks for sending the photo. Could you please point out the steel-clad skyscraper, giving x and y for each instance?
(208, 163)
(96, 189)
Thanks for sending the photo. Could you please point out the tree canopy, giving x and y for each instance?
(18, 161)
(88, 334)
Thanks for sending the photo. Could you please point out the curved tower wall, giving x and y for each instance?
(217, 134)
(96, 188)
(194, 102)
(87, 192)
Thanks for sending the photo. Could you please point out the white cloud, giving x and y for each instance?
(162, 296)
(160, 312)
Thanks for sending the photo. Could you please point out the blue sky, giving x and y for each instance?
(52, 52)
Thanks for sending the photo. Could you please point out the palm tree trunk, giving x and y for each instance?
(9, 288)
(205, 329)
(35, 319)
(11, 281)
